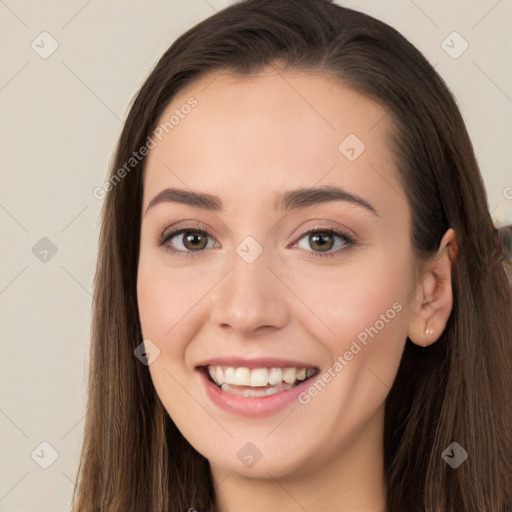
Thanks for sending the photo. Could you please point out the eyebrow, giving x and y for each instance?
(284, 201)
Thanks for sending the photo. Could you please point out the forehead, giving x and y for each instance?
(251, 136)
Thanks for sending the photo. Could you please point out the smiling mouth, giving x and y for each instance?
(256, 382)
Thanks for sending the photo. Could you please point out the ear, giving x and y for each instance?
(433, 298)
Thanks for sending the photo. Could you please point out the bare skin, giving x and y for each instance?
(248, 139)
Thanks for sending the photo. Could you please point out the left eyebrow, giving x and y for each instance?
(288, 200)
(303, 197)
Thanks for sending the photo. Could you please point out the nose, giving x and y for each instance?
(250, 299)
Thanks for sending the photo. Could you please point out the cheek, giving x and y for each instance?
(353, 296)
(157, 303)
(366, 312)
(360, 315)
(162, 297)
(170, 299)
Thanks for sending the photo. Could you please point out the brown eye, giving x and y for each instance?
(321, 240)
(194, 240)
(186, 241)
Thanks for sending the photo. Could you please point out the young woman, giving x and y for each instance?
(300, 304)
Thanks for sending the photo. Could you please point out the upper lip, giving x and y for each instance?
(258, 362)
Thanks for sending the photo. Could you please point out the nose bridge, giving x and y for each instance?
(250, 297)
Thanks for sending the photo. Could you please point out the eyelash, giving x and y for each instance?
(347, 239)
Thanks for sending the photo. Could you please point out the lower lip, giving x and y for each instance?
(251, 406)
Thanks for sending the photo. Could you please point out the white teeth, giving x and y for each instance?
(242, 377)
(289, 375)
(258, 377)
(256, 392)
(219, 375)
(301, 374)
(275, 376)
(229, 375)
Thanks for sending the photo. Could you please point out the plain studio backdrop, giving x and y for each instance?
(69, 70)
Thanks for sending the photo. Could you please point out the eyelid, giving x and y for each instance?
(186, 224)
(344, 233)
(350, 241)
(327, 225)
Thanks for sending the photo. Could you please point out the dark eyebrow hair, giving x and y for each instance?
(289, 200)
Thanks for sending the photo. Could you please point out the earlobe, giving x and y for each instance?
(433, 299)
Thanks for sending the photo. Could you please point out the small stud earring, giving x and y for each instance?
(428, 331)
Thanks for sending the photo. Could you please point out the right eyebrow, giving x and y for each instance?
(176, 195)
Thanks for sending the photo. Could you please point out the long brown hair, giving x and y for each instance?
(458, 390)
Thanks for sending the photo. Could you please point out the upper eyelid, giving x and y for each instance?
(174, 230)
(188, 224)
(179, 230)
(326, 225)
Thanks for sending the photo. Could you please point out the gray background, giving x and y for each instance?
(61, 116)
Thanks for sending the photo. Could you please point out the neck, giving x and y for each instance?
(352, 480)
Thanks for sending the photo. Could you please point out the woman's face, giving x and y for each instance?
(261, 282)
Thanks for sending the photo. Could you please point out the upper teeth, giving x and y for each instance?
(257, 377)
